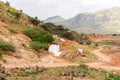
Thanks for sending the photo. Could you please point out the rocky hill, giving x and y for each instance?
(23, 39)
(54, 19)
(103, 21)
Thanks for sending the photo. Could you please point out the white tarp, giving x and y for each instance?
(55, 49)
(80, 50)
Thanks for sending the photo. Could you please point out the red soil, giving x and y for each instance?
(99, 38)
(114, 56)
(115, 61)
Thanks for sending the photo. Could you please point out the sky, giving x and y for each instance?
(64, 8)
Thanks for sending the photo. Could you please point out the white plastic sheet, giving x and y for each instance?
(55, 49)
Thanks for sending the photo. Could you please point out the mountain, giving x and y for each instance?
(103, 21)
(54, 19)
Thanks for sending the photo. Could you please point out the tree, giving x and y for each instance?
(7, 3)
(17, 14)
(68, 35)
(21, 10)
(48, 38)
(114, 34)
(34, 21)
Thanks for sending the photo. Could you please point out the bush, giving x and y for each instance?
(39, 38)
(7, 3)
(34, 21)
(48, 38)
(5, 46)
(37, 45)
(32, 32)
(50, 27)
(12, 31)
(17, 14)
(68, 35)
(64, 32)
(43, 38)
(83, 36)
(113, 77)
(81, 42)
(37, 34)
(114, 34)
(1, 54)
(88, 42)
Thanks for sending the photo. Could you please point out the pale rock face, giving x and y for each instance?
(55, 49)
(101, 22)
(54, 19)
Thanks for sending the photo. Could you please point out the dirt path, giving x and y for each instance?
(47, 61)
(50, 61)
(103, 61)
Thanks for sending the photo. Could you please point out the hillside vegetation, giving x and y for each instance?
(17, 21)
(20, 33)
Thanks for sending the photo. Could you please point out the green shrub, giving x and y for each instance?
(37, 45)
(5, 46)
(32, 32)
(50, 27)
(68, 35)
(54, 29)
(12, 31)
(48, 38)
(37, 34)
(83, 36)
(88, 42)
(114, 34)
(39, 38)
(1, 78)
(64, 32)
(113, 77)
(34, 21)
(43, 38)
(81, 42)
(17, 14)
(1, 54)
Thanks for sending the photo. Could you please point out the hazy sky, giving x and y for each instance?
(65, 8)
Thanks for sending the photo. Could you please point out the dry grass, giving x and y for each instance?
(71, 72)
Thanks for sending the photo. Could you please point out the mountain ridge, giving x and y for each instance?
(54, 19)
(103, 21)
